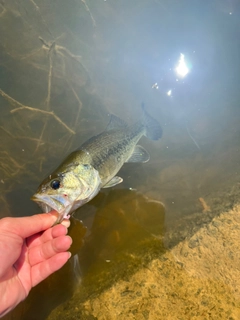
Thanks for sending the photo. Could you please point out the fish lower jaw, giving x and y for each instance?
(65, 213)
(62, 214)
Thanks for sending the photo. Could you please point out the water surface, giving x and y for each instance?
(64, 67)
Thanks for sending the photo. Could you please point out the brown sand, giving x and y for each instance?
(197, 279)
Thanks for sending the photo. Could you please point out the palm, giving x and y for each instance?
(22, 270)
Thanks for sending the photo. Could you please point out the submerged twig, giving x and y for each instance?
(23, 107)
(51, 113)
(41, 135)
(194, 141)
(39, 12)
(205, 207)
(10, 167)
(79, 104)
(89, 12)
(49, 80)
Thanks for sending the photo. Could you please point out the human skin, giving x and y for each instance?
(31, 249)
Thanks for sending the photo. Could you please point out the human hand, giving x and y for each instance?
(30, 250)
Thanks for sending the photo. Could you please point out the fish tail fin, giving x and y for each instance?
(152, 127)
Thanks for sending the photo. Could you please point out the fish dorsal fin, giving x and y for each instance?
(116, 123)
(113, 182)
(139, 155)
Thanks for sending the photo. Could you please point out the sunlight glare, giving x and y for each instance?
(182, 69)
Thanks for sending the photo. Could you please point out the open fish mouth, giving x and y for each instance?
(50, 203)
(45, 208)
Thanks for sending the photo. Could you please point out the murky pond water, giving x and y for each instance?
(65, 66)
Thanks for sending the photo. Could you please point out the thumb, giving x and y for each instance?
(27, 226)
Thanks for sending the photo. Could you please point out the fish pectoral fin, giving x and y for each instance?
(139, 155)
(116, 123)
(113, 182)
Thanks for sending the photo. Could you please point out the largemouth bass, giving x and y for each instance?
(94, 165)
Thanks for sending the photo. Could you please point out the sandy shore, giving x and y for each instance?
(197, 279)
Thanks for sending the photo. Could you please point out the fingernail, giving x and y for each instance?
(66, 223)
(69, 253)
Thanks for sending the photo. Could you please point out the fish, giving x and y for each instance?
(95, 164)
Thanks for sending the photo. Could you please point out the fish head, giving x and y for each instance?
(66, 191)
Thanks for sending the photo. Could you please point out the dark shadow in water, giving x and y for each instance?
(123, 219)
(126, 234)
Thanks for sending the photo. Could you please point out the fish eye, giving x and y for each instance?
(55, 184)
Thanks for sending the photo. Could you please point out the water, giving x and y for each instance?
(64, 67)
